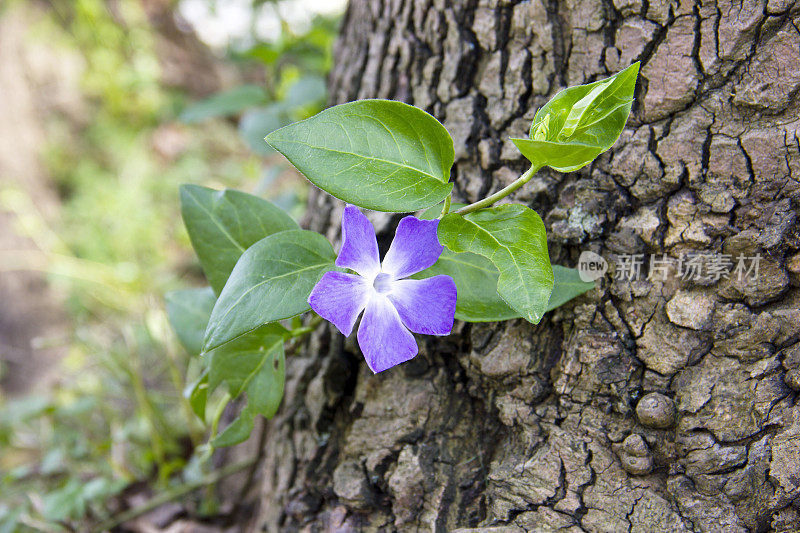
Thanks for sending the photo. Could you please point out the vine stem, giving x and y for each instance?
(446, 208)
(499, 195)
(218, 415)
(313, 322)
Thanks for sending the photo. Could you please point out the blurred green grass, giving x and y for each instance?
(117, 415)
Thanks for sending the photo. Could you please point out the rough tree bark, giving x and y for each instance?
(550, 427)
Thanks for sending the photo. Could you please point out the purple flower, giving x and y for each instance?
(392, 305)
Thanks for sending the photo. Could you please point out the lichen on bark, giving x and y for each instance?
(503, 427)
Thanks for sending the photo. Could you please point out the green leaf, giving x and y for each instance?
(568, 285)
(65, 502)
(265, 391)
(476, 280)
(237, 362)
(563, 157)
(100, 489)
(223, 224)
(257, 123)
(253, 364)
(513, 238)
(377, 154)
(580, 123)
(197, 394)
(10, 519)
(306, 91)
(271, 281)
(237, 431)
(226, 103)
(188, 311)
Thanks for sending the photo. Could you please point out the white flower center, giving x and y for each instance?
(382, 283)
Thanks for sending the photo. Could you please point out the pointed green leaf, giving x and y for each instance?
(270, 282)
(563, 157)
(223, 224)
(513, 238)
(256, 123)
(238, 362)
(254, 364)
(376, 154)
(580, 123)
(265, 390)
(476, 281)
(237, 431)
(225, 103)
(188, 311)
(568, 285)
(307, 91)
(64, 502)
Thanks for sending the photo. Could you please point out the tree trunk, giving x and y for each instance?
(569, 424)
(36, 82)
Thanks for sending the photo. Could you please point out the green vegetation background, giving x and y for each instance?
(116, 415)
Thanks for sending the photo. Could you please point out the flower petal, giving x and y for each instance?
(339, 298)
(359, 247)
(426, 305)
(415, 247)
(382, 337)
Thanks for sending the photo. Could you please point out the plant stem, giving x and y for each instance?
(446, 208)
(178, 383)
(313, 322)
(499, 195)
(143, 401)
(218, 415)
(173, 494)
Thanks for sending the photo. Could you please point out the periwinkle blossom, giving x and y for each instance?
(393, 307)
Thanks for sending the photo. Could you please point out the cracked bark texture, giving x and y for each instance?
(640, 406)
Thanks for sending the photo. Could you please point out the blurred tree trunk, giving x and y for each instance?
(545, 427)
(35, 82)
